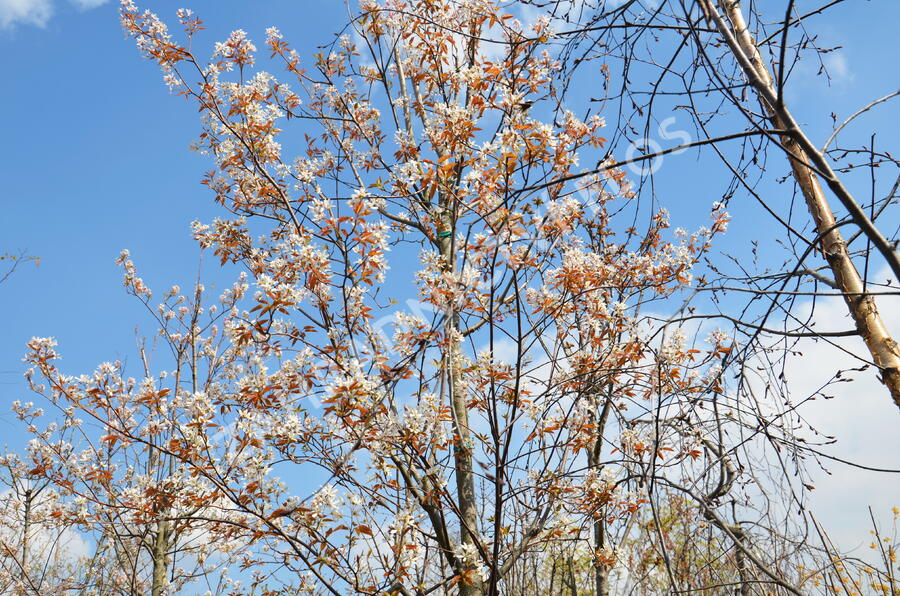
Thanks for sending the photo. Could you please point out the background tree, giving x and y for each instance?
(726, 65)
(109, 453)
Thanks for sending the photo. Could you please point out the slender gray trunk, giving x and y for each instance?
(26, 530)
(160, 555)
(463, 457)
(601, 572)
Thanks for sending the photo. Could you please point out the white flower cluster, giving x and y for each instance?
(326, 502)
(469, 556)
(423, 420)
(236, 49)
(674, 346)
(603, 482)
(561, 216)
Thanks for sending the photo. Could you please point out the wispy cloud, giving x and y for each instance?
(87, 4)
(837, 66)
(35, 12)
(24, 12)
(861, 417)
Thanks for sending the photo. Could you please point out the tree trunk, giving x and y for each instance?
(160, 558)
(744, 587)
(463, 457)
(26, 530)
(601, 573)
(861, 304)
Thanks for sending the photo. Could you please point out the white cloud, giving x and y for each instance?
(861, 417)
(24, 12)
(837, 66)
(50, 543)
(35, 12)
(88, 4)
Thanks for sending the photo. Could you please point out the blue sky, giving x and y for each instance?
(96, 156)
(95, 159)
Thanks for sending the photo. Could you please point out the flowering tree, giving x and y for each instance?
(108, 458)
(500, 397)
